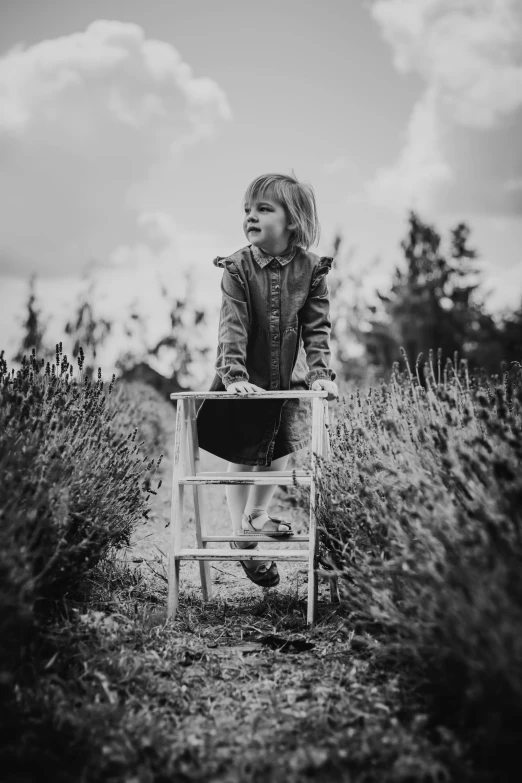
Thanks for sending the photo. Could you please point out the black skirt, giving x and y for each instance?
(254, 432)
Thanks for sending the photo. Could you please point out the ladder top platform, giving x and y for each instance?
(209, 395)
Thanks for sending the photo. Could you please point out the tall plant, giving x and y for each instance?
(421, 516)
(73, 486)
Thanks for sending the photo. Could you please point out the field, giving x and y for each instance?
(211, 697)
(382, 688)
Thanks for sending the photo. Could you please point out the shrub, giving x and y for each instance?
(73, 487)
(421, 514)
(141, 406)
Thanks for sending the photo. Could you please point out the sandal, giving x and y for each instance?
(270, 527)
(263, 573)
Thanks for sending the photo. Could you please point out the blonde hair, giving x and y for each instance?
(298, 201)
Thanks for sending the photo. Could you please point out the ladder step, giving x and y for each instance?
(267, 395)
(250, 477)
(289, 540)
(243, 554)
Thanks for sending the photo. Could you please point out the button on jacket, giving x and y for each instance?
(274, 332)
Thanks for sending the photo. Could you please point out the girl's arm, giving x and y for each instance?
(234, 326)
(315, 322)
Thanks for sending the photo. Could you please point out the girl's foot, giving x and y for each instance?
(265, 525)
(263, 573)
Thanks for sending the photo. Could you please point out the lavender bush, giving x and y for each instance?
(421, 517)
(73, 487)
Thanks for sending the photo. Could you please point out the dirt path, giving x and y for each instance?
(212, 699)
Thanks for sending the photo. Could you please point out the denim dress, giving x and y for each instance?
(274, 331)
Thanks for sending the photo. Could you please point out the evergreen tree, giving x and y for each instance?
(506, 343)
(433, 302)
(511, 334)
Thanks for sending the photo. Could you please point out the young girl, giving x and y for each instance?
(274, 334)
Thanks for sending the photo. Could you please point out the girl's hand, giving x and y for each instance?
(243, 387)
(322, 384)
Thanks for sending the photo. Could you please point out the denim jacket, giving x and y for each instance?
(274, 326)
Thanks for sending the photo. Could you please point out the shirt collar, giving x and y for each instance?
(263, 258)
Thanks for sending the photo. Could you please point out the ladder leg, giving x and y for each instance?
(312, 584)
(193, 466)
(334, 582)
(176, 511)
(318, 413)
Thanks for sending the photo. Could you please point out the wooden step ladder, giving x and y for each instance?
(186, 473)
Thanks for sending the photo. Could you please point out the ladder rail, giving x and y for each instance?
(193, 463)
(318, 415)
(176, 511)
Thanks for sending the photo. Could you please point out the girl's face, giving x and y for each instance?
(265, 225)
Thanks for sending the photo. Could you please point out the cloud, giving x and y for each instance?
(163, 258)
(87, 121)
(513, 185)
(469, 54)
(341, 163)
(421, 165)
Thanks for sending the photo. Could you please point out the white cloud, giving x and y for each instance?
(421, 165)
(92, 126)
(513, 185)
(86, 123)
(341, 163)
(469, 53)
(164, 257)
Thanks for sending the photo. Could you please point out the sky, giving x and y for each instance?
(129, 132)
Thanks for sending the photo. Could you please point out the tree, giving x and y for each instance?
(185, 322)
(185, 345)
(34, 329)
(506, 343)
(433, 302)
(511, 335)
(87, 331)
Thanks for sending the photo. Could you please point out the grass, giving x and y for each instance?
(206, 699)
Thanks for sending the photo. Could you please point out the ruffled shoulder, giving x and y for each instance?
(321, 269)
(220, 261)
(228, 263)
(325, 264)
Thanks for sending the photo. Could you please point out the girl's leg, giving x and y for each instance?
(261, 494)
(257, 498)
(237, 496)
